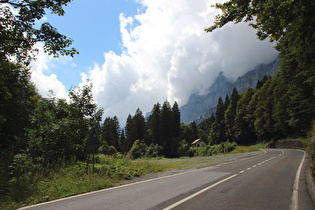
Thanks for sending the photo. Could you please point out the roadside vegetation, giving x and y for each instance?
(44, 184)
(46, 142)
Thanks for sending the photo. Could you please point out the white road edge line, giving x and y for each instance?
(198, 193)
(127, 185)
(295, 193)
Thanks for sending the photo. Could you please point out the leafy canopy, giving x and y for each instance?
(18, 33)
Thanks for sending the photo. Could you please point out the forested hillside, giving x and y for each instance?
(39, 135)
(200, 105)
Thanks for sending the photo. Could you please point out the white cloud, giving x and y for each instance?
(167, 55)
(44, 83)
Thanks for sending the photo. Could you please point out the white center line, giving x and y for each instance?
(198, 193)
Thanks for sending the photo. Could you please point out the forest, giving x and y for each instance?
(39, 132)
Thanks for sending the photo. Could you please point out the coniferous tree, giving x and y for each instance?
(218, 128)
(226, 102)
(130, 135)
(135, 129)
(175, 120)
(230, 115)
(187, 133)
(154, 121)
(111, 132)
(244, 119)
(264, 123)
(194, 129)
(122, 139)
(166, 130)
(139, 122)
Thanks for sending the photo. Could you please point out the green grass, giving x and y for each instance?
(71, 180)
(251, 148)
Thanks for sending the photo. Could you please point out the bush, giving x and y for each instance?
(107, 150)
(217, 149)
(184, 148)
(153, 150)
(138, 149)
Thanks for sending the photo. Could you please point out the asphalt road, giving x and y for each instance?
(273, 180)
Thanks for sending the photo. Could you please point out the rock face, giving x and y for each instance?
(198, 105)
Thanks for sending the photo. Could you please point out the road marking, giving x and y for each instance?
(241, 172)
(295, 193)
(248, 168)
(259, 164)
(131, 184)
(198, 193)
(254, 166)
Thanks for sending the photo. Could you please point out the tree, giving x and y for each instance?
(111, 132)
(130, 135)
(18, 33)
(17, 101)
(264, 123)
(135, 129)
(175, 120)
(292, 25)
(194, 129)
(230, 115)
(154, 121)
(18, 97)
(217, 132)
(244, 119)
(166, 128)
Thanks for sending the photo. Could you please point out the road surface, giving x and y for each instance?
(273, 180)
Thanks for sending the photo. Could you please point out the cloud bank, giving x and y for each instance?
(168, 56)
(44, 80)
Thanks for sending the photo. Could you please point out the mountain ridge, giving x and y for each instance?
(199, 105)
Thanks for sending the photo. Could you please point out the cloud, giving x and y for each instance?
(167, 55)
(43, 78)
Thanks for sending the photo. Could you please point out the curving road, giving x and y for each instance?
(273, 180)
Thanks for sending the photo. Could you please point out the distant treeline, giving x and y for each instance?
(280, 107)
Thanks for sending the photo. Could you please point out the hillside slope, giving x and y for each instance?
(198, 105)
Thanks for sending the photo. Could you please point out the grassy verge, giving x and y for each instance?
(72, 180)
(252, 148)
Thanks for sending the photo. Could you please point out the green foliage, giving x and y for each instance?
(223, 147)
(164, 128)
(19, 34)
(135, 129)
(282, 106)
(111, 132)
(138, 149)
(244, 119)
(184, 149)
(59, 129)
(230, 115)
(217, 131)
(154, 150)
(107, 150)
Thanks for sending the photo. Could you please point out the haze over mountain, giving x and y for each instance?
(198, 105)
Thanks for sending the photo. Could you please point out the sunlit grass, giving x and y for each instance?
(72, 180)
(251, 148)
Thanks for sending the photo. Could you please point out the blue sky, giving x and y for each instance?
(140, 52)
(95, 28)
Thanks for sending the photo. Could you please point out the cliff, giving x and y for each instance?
(200, 105)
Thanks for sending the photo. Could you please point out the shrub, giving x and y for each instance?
(153, 150)
(223, 147)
